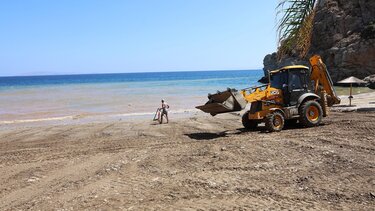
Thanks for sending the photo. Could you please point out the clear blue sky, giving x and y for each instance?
(79, 36)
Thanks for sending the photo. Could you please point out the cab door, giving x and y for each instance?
(297, 85)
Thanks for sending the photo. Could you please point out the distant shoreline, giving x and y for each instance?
(120, 73)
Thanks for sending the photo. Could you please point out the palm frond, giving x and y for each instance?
(295, 25)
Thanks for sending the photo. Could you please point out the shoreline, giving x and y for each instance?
(363, 101)
(97, 119)
(90, 116)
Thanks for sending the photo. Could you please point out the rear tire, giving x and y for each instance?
(248, 123)
(310, 113)
(275, 121)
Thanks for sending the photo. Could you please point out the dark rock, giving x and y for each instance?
(368, 32)
(343, 35)
(271, 62)
(263, 80)
(371, 81)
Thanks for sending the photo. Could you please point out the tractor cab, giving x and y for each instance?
(293, 81)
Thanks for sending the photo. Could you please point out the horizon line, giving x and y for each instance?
(102, 73)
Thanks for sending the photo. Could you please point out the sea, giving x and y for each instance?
(55, 97)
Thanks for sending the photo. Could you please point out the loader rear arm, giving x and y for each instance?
(322, 79)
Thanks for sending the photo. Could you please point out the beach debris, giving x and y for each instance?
(33, 179)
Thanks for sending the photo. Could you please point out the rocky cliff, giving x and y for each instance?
(344, 35)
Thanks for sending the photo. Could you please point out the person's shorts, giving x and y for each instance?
(164, 112)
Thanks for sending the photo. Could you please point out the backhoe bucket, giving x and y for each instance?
(223, 102)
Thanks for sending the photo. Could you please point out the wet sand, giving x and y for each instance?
(195, 162)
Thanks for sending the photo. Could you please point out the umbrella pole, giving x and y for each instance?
(350, 96)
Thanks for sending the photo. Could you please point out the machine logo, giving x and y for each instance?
(274, 92)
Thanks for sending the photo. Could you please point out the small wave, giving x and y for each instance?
(134, 114)
(36, 120)
(77, 117)
(180, 111)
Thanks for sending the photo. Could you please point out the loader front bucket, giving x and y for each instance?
(223, 102)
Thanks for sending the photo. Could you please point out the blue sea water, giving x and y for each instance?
(229, 78)
(33, 97)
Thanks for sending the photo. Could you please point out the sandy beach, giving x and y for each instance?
(82, 84)
(195, 162)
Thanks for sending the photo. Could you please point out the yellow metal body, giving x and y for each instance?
(259, 94)
(323, 82)
(266, 109)
(289, 67)
(272, 99)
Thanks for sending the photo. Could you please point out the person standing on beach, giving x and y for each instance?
(164, 111)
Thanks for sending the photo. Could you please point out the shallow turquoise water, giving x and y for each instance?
(101, 94)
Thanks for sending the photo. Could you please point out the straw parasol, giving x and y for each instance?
(351, 80)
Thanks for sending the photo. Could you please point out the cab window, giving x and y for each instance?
(297, 79)
(279, 79)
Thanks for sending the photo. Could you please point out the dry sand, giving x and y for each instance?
(197, 162)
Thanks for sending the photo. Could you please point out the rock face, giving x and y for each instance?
(371, 81)
(344, 36)
(270, 62)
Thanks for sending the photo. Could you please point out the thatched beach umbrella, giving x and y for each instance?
(351, 80)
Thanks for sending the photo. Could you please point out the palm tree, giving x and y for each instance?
(295, 26)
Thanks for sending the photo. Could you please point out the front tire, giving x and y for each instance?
(248, 123)
(310, 113)
(275, 121)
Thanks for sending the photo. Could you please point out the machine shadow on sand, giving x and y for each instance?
(261, 129)
(206, 136)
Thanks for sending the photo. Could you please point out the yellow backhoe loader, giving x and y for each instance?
(294, 93)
